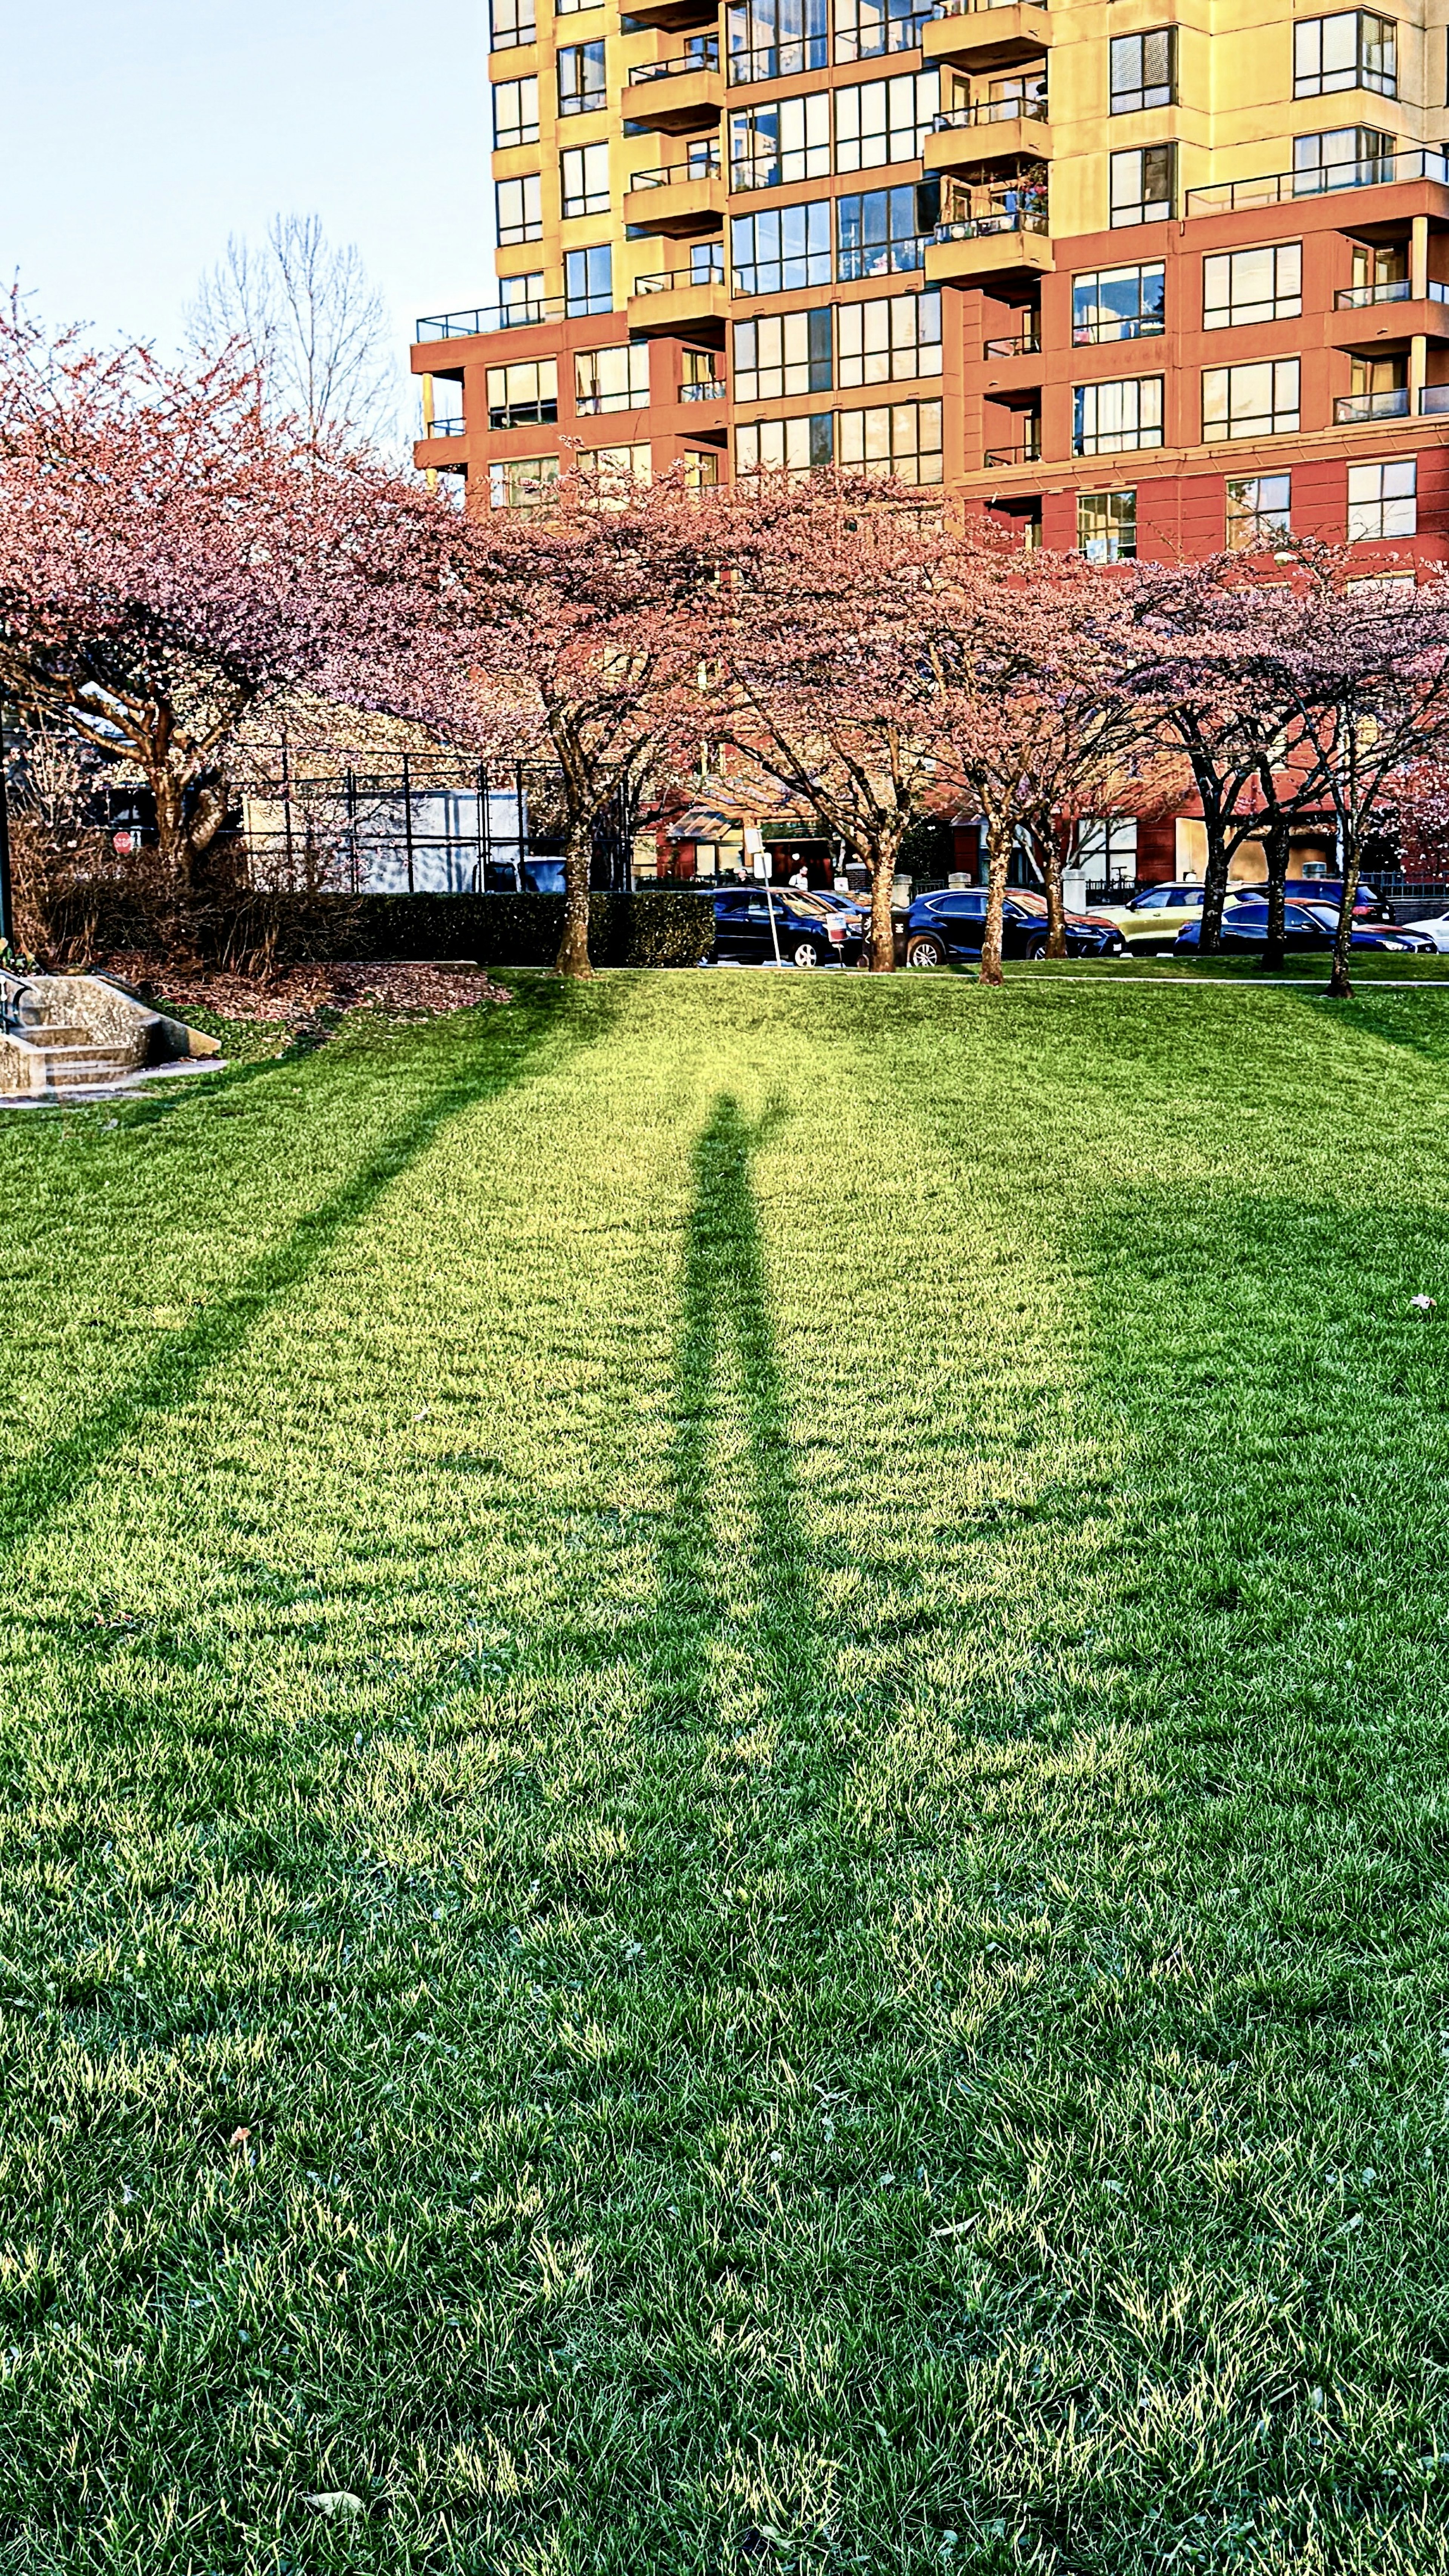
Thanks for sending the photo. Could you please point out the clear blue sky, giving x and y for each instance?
(136, 134)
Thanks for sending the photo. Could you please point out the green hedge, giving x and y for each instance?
(656, 926)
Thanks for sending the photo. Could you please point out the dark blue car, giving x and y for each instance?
(1305, 927)
(807, 931)
(939, 927)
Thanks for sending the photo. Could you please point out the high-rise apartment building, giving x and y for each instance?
(1141, 284)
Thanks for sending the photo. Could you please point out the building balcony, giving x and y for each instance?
(989, 248)
(684, 199)
(1365, 317)
(684, 95)
(479, 322)
(673, 17)
(1434, 398)
(1290, 187)
(1002, 460)
(1020, 344)
(679, 300)
(981, 36)
(783, 61)
(1394, 403)
(994, 129)
(714, 389)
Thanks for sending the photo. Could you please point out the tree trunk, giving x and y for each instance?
(1275, 954)
(573, 950)
(173, 841)
(1340, 986)
(880, 952)
(1049, 852)
(1000, 839)
(1214, 885)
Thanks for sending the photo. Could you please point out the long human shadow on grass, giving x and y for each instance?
(46, 1483)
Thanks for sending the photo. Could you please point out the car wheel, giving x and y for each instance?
(805, 953)
(925, 952)
(1034, 949)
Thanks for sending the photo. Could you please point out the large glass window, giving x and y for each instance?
(1107, 526)
(523, 395)
(522, 482)
(1242, 286)
(617, 470)
(1144, 70)
(786, 140)
(888, 338)
(878, 233)
(1259, 401)
(513, 24)
(772, 39)
(520, 299)
(1354, 49)
(1144, 185)
(1351, 156)
(589, 280)
(584, 179)
(892, 438)
(1382, 501)
(1125, 411)
(581, 84)
(785, 446)
(782, 354)
(867, 27)
(515, 112)
(614, 379)
(520, 212)
(1118, 303)
(1259, 510)
(885, 120)
(772, 253)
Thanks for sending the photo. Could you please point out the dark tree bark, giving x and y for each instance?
(1275, 953)
(573, 951)
(1000, 839)
(1049, 855)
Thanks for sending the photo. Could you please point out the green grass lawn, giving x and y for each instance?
(725, 1792)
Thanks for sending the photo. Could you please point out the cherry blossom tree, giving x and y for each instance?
(172, 561)
(585, 628)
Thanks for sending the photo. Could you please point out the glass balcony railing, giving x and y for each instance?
(969, 8)
(990, 111)
(672, 281)
(1281, 187)
(782, 61)
(1392, 404)
(1434, 398)
(1024, 344)
(703, 165)
(714, 389)
(483, 318)
(679, 66)
(1389, 290)
(445, 428)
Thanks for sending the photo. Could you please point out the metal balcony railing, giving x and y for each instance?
(444, 428)
(1390, 290)
(679, 65)
(1025, 344)
(990, 111)
(779, 169)
(670, 281)
(994, 218)
(1028, 453)
(493, 317)
(675, 173)
(1281, 187)
(1434, 398)
(714, 389)
(1117, 326)
(1392, 404)
(969, 8)
(779, 62)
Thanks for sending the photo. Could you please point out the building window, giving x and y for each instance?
(1107, 526)
(782, 354)
(1259, 401)
(615, 379)
(1351, 156)
(1242, 286)
(581, 85)
(584, 175)
(1259, 507)
(1119, 303)
(864, 28)
(893, 438)
(617, 471)
(889, 338)
(520, 213)
(589, 280)
(701, 469)
(787, 140)
(1125, 411)
(1107, 851)
(520, 299)
(1144, 185)
(513, 24)
(771, 254)
(785, 446)
(515, 112)
(1355, 49)
(773, 39)
(879, 232)
(1382, 501)
(524, 395)
(1144, 71)
(522, 482)
(885, 120)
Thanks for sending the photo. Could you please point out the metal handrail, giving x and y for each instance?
(675, 173)
(677, 65)
(1282, 187)
(1391, 404)
(1026, 344)
(990, 111)
(714, 389)
(980, 227)
(969, 8)
(12, 986)
(485, 318)
(1118, 326)
(1029, 453)
(1390, 290)
(667, 281)
(445, 428)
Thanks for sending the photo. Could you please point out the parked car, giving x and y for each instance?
(809, 931)
(1305, 926)
(1368, 903)
(1435, 930)
(1373, 934)
(938, 927)
(1154, 916)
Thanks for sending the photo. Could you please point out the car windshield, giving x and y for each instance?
(1025, 902)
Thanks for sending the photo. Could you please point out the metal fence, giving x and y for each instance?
(416, 823)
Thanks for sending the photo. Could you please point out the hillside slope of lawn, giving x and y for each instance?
(725, 1759)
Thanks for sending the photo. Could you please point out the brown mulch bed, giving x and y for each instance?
(297, 995)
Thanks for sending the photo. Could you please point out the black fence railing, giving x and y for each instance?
(412, 823)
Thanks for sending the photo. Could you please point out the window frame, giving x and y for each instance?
(818, 442)
(1260, 529)
(900, 139)
(594, 405)
(1132, 101)
(852, 317)
(1092, 334)
(583, 102)
(811, 258)
(1241, 315)
(526, 130)
(1105, 546)
(1099, 442)
(591, 158)
(1311, 80)
(1382, 502)
(804, 364)
(861, 250)
(891, 459)
(1280, 422)
(583, 260)
(511, 23)
(1127, 214)
(528, 226)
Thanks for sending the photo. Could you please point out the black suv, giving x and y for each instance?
(810, 933)
(941, 926)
